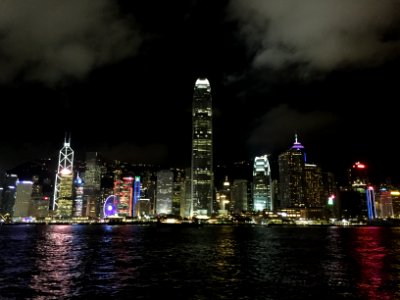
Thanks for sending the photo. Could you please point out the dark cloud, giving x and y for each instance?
(50, 41)
(275, 130)
(319, 35)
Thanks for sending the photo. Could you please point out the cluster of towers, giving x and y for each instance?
(107, 190)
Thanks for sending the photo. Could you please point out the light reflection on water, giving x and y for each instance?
(371, 252)
(212, 262)
(57, 264)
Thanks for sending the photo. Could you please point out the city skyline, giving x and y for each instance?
(122, 84)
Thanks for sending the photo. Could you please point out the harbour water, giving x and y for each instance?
(208, 262)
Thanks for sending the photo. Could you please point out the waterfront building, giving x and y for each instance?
(78, 197)
(149, 189)
(356, 199)
(239, 196)
(125, 207)
(223, 197)
(143, 209)
(137, 190)
(7, 200)
(186, 199)
(40, 201)
(262, 191)
(92, 204)
(291, 177)
(384, 202)
(63, 198)
(23, 199)
(202, 175)
(395, 193)
(178, 191)
(164, 192)
(371, 206)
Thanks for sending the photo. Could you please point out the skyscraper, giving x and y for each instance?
(262, 192)
(91, 192)
(62, 201)
(23, 199)
(292, 177)
(239, 196)
(202, 186)
(165, 180)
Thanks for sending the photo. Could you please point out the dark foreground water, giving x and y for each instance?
(210, 262)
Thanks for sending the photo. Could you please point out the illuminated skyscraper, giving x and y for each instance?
(164, 192)
(78, 199)
(7, 200)
(136, 198)
(125, 196)
(91, 193)
(202, 185)
(262, 196)
(357, 201)
(23, 199)
(62, 201)
(292, 177)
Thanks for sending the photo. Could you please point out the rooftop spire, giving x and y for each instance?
(296, 144)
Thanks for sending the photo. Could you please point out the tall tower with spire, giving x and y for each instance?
(202, 175)
(291, 176)
(63, 189)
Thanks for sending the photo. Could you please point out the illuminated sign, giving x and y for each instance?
(330, 200)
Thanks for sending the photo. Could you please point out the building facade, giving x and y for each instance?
(292, 177)
(165, 180)
(202, 176)
(63, 197)
(262, 192)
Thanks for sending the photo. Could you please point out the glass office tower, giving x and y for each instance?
(202, 150)
(292, 176)
(262, 192)
(63, 197)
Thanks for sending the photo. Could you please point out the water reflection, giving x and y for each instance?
(57, 263)
(371, 251)
(211, 262)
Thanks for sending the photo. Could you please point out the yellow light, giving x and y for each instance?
(395, 193)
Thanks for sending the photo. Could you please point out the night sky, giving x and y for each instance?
(119, 76)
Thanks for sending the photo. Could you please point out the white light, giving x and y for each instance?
(65, 171)
(202, 81)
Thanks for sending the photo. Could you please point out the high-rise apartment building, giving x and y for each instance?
(202, 176)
